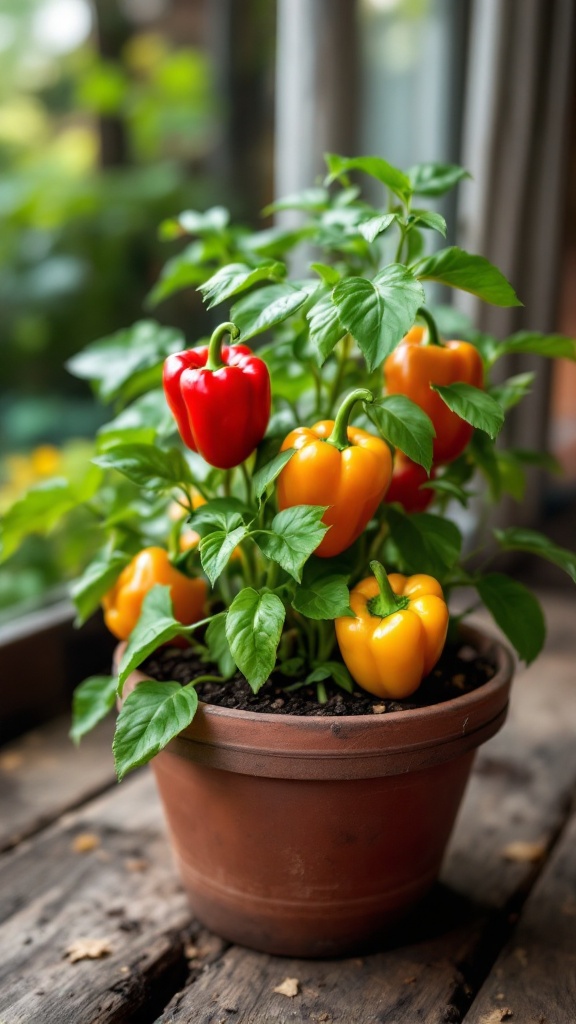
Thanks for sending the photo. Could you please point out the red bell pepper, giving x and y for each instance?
(220, 398)
(406, 484)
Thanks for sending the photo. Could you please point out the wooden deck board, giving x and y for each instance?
(43, 774)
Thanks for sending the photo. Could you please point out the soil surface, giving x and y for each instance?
(459, 671)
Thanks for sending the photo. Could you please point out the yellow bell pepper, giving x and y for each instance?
(123, 603)
(397, 634)
(343, 467)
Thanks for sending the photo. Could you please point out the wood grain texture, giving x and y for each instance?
(42, 775)
(121, 889)
(534, 978)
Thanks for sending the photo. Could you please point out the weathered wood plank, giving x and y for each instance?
(42, 775)
(534, 979)
(116, 885)
(519, 795)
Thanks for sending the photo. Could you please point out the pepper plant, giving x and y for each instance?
(252, 496)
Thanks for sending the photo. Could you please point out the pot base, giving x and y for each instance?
(307, 868)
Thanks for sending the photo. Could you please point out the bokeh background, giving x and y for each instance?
(117, 115)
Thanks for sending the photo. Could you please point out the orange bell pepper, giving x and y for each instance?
(415, 364)
(398, 632)
(340, 466)
(122, 604)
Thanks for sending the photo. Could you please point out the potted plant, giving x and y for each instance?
(279, 542)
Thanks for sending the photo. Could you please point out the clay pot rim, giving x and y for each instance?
(486, 645)
(348, 746)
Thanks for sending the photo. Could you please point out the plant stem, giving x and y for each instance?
(247, 481)
(214, 360)
(433, 335)
(343, 354)
(386, 602)
(339, 435)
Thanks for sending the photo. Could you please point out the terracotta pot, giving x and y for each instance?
(310, 836)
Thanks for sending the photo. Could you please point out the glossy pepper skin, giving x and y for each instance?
(351, 475)
(414, 365)
(220, 398)
(390, 654)
(406, 485)
(122, 604)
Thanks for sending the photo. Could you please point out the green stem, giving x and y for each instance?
(386, 602)
(340, 371)
(206, 679)
(339, 435)
(433, 334)
(214, 361)
(247, 481)
(398, 256)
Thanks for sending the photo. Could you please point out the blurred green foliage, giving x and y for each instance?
(79, 249)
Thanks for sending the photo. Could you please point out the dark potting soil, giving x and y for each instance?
(459, 670)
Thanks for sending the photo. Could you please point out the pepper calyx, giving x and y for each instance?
(386, 602)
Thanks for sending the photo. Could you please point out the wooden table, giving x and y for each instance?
(85, 859)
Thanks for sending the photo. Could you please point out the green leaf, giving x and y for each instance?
(220, 514)
(96, 580)
(552, 346)
(266, 307)
(92, 701)
(433, 179)
(429, 219)
(293, 535)
(332, 670)
(484, 455)
(120, 364)
(38, 511)
(268, 473)
(151, 716)
(406, 426)
(155, 626)
(394, 179)
(219, 648)
(516, 611)
(513, 390)
(312, 199)
(370, 229)
(459, 269)
(236, 277)
(325, 327)
(473, 405)
(182, 271)
(150, 467)
(145, 419)
(449, 488)
(253, 628)
(329, 275)
(323, 593)
(426, 543)
(519, 539)
(379, 312)
(192, 222)
(512, 475)
(216, 548)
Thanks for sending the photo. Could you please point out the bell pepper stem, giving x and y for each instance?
(339, 435)
(386, 601)
(433, 334)
(214, 360)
